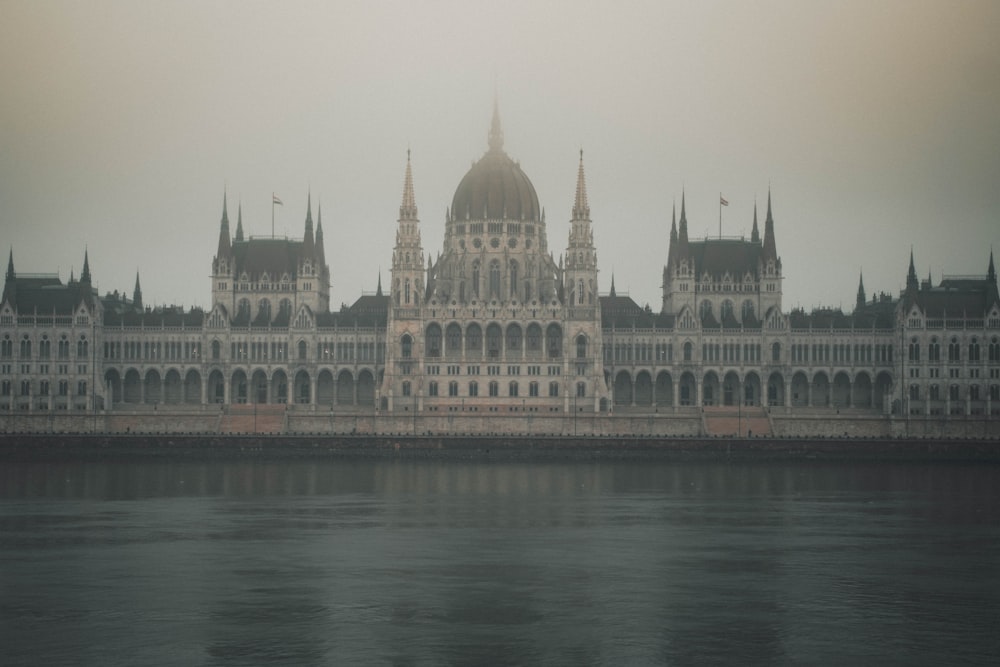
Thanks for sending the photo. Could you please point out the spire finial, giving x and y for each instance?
(85, 274)
(911, 274)
(991, 272)
(225, 213)
(581, 209)
(137, 292)
(408, 207)
(496, 131)
(612, 294)
(861, 291)
(11, 275)
(378, 290)
(755, 233)
(770, 247)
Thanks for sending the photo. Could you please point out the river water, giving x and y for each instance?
(439, 563)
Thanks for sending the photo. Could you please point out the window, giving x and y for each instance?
(512, 389)
(473, 388)
(533, 389)
(688, 347)
(81, 388)
(26, 347)
(406, 388)
(776, 352)
(494, 389)
(432, 389)
(553, 389)
(453, 388)
(303, 349)
(581, 389)
(954, 350)
(953, 392)
(581, 346)
(934, 350)
(914, 350)
(406, 346)
(974, 350)
(914, 392)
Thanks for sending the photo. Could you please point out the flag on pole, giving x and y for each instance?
(275, 200)
(722, 201)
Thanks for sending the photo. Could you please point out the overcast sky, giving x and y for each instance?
(875, 124)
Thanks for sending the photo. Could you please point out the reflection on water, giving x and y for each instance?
(449, 563)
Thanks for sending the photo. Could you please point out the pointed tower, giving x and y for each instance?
(991, 272)
(137, 294)
(308, 241)
(225, 245)
(320, 251)
(496, 130)
(408, 255)
(580, 270)
(770, 249)
(678, 276)
(10, 282)
(223, 264)
(755, 234)
(378, 290)
(85, 274)
(861, 300)
(912, 284)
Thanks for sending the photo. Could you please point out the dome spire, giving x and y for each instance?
(496, 131)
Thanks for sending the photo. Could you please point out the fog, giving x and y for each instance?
(873, 124)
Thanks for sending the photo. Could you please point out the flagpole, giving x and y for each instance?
(272, 214)
(720, 215)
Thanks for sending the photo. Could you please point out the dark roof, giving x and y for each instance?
(370, 310)
(47, 294)
(955, 297)
(719, 256)
(622, 312)
(170, 316)
(275, 257)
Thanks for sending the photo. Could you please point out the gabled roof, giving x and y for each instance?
(275, 257)
(47, 294)
(720, 256)
(964, 296)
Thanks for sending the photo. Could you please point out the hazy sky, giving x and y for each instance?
(876, 124)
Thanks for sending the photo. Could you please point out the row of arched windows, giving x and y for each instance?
(493, 389)
(44, 347)
(474, 341)
(954, 349)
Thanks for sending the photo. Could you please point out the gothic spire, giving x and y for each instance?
(10, 284)
(770, 249)
(581, 209)
(991, 272)
(672, 248)
(308, 242)
(408, 207)
(11, 275)
(239, 224)
(612, 294)
(861, 292)
(320, 251)
(683, 233)
(496, 131)
(378, 290)
(224, 241)
(755, 234)
(137, 293)
(85, 274)
(911, 275)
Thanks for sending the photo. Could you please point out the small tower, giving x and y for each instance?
(861, 300)
(10, 282)
(85, 274)
(580, 271)
(223, 264)
(137, 294)
(755, 234)
(408, 255)
(912, 284)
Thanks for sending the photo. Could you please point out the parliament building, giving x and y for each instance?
(499, 333)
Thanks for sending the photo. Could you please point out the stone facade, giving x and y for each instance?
(498, 335)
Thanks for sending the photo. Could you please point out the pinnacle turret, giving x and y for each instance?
(137, 293)
(408, 207)
(911, 275)
(85, 274)
(320, 251)
(861, 292)
(11, 275)
(755, 234)
(683, 232)
(224, 241)
(991, 272)
(770, 248)
(581, 209)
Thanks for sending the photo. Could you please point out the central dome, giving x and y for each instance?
(495, 188)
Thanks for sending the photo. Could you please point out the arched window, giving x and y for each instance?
(243, 310)
(776, 352)
(914, 392)
(688, 347)
(81, 348)
(475, 279)
(453, 388)
(493, 336)
(433, 340)
(7, 347)
(581, 347)
(453, 339)
(44, 347)
(512, 389)
(473, 388)
(581, 389)
(26, 347)
(513, 278)
(974, 350)
(216, 350)
(495, 278)
(494, 388)
(705, 310)
(954, 350)
(914, 350)
(303, 350)
(994, 350)
(553, 340)
(432, 388)
(514, 337)
(264, 310)
(554, 389)
(534, 338)
(406, 346)
(747, 311)
(727, 310)
(406, 298)
(934, 350)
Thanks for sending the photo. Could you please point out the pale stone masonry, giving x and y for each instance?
(497, 333)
